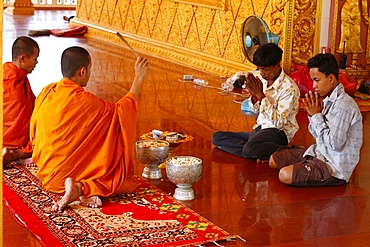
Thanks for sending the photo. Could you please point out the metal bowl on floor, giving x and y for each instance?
(152, 153)
(184, 171)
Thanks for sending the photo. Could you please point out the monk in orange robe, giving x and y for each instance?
(83, 144)
(18, 100)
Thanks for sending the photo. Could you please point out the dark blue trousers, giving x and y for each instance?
(259, 144)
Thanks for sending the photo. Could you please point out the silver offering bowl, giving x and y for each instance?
(184, 171)
(152, 153)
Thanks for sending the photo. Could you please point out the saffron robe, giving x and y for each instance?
(18, 104)
(76, 134)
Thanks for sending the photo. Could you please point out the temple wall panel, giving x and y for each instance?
(204, 34)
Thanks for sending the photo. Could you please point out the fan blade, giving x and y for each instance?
(254, 33)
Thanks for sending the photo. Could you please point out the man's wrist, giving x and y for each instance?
(256, 99)
(261, 97)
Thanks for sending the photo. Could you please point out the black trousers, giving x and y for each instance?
(259, 144)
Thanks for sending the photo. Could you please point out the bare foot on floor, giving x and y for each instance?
(26, 161)
(73, 191)
(7, 157)
(91, 202)
(10, 155)
(260, 161)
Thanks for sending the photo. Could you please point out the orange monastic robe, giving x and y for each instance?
(18, 104)
(75, 134)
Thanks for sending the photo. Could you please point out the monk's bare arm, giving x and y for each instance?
(141, 71)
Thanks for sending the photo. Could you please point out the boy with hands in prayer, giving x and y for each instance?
(335, 122)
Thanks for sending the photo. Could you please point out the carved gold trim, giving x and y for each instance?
(335, 21)
(155, 61)
(205, 38)
(317, 35)
(216, 4)
(166, 51)
(288, 33)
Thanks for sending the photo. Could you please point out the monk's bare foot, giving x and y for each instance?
(260, 161)
(10, 155)
(7, 157)
(26, 161)
(92, 201)
(73, 191)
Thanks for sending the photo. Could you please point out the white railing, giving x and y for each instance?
(50, 3)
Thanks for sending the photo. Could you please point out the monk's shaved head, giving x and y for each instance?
(74, 58)
(23, 45)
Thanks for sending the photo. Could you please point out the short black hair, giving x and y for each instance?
(267, 55)
(326, 64)
(23, 45)
(74, 58)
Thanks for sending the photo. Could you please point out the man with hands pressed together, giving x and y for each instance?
(274, 98)
(335, 122)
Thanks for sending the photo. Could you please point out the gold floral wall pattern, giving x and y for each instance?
(304, 30)
(200, 36)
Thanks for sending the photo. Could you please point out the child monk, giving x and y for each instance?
(18, 100)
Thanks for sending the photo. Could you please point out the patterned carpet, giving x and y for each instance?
(147, 217)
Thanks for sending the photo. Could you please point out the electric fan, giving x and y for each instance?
(255, 33)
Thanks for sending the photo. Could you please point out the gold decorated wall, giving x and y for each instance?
(203, 34)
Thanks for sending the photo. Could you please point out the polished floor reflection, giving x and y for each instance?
(239, 195)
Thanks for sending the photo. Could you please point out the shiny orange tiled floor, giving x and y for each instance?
(239, 195)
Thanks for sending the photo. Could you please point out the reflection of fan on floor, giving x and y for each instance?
(255, 33)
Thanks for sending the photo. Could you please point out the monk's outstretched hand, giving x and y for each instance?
(141, 67)
(141, 71)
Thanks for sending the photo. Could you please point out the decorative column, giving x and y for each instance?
(20, 7)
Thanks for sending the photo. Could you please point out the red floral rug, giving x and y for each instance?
(147, 217)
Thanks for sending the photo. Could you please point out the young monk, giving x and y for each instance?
(83, 144)
(18, 100)
(335, 123)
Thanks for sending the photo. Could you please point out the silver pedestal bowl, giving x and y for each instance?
(184, 171)
(152, 153)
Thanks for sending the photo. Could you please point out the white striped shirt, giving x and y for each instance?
(338, 134)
